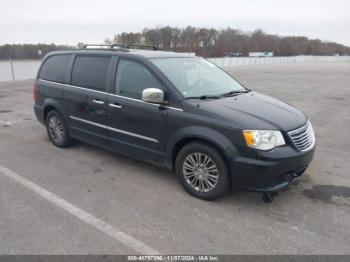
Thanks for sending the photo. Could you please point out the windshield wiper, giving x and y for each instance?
(204, 97)
(232, 93)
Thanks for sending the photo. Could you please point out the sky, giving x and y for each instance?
(91, 21)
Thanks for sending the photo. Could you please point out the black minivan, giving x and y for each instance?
(175, 110)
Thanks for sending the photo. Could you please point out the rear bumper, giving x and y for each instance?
(39, 113)
(270, 171)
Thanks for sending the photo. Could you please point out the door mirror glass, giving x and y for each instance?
(153, 95)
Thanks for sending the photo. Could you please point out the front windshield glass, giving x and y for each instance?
(196, 77)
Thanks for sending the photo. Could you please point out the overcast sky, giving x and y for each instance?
(91, 21)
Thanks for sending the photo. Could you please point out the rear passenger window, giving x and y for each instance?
(132, 78)
(90, 72)
(55, 68)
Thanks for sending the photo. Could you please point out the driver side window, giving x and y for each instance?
(132, 78)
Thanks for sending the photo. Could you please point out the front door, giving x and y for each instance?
(137, 128)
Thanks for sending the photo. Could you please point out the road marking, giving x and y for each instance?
(120, 236)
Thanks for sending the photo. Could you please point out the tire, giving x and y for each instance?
(57, 129)
(202, 182)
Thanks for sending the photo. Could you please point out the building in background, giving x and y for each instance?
(233, 54)
(260, 54)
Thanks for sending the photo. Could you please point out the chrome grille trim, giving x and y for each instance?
(303, 138)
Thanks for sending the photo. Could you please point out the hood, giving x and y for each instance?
(255, 111)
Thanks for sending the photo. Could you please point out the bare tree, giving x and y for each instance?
(207, 42)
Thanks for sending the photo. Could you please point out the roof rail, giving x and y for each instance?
(116, 45)
(103, 46)
(86, 46)
(142, 47)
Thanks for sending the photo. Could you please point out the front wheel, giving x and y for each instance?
(202, 171)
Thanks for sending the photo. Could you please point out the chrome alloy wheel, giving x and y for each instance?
(200, 172)
(56, 129)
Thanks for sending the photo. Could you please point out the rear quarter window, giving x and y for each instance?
(90, 72)
(55, 68)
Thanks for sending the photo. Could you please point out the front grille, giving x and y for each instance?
(303, 138)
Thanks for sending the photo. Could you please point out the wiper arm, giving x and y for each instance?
(204, 97)
(231, 93)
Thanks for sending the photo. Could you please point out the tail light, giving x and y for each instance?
(35, 92)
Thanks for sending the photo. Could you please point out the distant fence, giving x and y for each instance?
(239, 61)
(27, 69)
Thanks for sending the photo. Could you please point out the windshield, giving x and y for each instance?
(196, 77)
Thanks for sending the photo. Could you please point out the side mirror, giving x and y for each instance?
(153, 95)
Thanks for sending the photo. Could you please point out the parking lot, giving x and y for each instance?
(86, 200)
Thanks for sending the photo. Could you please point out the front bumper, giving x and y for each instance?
(270, 171)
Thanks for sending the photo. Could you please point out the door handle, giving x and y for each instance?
(98, 102)
(115, 106)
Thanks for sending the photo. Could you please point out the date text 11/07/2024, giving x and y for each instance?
(173, 258)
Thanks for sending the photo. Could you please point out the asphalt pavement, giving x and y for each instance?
(87, 200)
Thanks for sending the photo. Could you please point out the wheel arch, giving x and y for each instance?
(205, 135)
(52, 104)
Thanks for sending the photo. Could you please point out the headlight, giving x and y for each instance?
(263, 139)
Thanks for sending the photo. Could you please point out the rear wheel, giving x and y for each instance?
(202, 171)
(57, 129)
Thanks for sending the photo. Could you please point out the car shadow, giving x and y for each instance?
(165, 177)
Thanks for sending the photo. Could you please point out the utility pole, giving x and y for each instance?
(12, 71)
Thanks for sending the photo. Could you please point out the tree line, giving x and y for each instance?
(29, 51)
(206, 42)
(211, 42)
